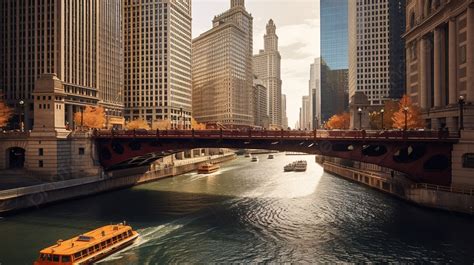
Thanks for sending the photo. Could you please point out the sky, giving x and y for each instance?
(298, 31)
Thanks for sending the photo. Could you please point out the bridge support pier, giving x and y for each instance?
(463, 160)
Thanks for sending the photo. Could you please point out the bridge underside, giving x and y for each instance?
(424, 161)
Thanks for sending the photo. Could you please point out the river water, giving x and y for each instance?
(250, 212)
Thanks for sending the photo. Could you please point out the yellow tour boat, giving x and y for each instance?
(89, 247)
(207, 168)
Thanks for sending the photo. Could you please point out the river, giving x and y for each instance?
(250, 212)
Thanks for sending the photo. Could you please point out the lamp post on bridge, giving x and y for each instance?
(405, 111)
(382, 111)
(461, 103)
(22, 103)
(359, 110)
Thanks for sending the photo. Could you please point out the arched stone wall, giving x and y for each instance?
(5, 146)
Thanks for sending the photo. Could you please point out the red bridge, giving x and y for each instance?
(424, 155)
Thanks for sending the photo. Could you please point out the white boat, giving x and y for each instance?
(247, 155)
(270, 156)
(254, 159)
(300, 166)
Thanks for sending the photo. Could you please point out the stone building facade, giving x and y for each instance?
(267, 67)
(79, 41)
(222, 69)
(440, 60)
(158, 61)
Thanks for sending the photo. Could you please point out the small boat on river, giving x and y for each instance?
(270, 156)
(254, 159)
(207, 168)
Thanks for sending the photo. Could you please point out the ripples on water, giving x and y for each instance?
(253, 212)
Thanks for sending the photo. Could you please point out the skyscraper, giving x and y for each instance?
(260, 102)
(305, 120)
(222, 69)
(334, 60)
(158, 61)
(314, 95)
(79, 41)
(376, 49)
(284, 116)
(267, 68)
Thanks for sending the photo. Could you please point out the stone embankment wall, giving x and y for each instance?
(445, 198)
(35, 196)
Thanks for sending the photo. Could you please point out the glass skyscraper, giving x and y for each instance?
(334, 58)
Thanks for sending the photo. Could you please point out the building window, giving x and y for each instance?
(40, 163)
(468, 160)
(82, 151)
(40, 152)
(462, 54)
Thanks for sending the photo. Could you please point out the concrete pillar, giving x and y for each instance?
(423, 86)
(437, 62)
(453, 79)
(469, 53)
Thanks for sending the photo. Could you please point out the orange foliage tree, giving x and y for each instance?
(138, 124)
(390, 107)
(162, 124)
(339, 121)
(413, 115)
(196, 125)
(92, 117)
(5, 113)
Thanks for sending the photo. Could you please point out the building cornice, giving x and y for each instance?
(440, 16)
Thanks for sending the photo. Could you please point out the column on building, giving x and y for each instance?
(470, 53)
(423, 86)
(437, 64)
(453, 80)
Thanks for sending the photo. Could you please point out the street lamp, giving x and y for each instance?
(382, 111)
(22, 103)
(461, 103)
(405, 111)
(181, 117)
(359, 110)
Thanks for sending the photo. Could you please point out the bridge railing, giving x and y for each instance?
(334, 134)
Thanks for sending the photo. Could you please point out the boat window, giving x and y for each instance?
(119, 237)
(77, 255)
(97, 247)
(109, 241)
(114, 239)
(102, 244)
(42, 257)
(91, 249)
(129, 232)
(84, 253)
(66, 259)
(55, 258)
(125, 235)
(49, 257)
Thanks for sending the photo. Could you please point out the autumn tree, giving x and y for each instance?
(339, 121)
(413, 115)
(162, 124)
(196, 125)
(138, 124)
(5, 113)
(390, 107)
(91, 117)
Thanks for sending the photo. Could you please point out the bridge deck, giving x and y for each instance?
(319, 135)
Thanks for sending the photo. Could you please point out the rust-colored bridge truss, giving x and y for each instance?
(424, 155)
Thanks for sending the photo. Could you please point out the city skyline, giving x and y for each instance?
(294, 22)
